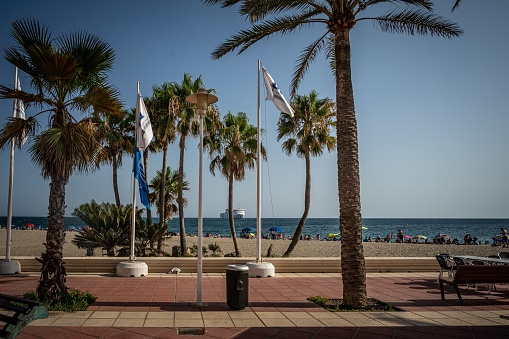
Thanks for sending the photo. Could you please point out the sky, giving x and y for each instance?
(432, 112)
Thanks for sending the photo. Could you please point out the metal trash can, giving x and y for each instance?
(90, 252)
(237, 278)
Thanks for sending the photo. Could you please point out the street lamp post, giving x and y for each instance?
(202, 99)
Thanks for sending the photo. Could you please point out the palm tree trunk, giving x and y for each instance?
(353, 268)
(162, 197)
(53, 274)
(230, 216)
(183, 244)
(307, 199)
(115, 181)
(162, 189)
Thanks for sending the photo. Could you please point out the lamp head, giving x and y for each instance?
(201, 99)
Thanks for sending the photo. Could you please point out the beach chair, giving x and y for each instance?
(504, 255)
(445, 265)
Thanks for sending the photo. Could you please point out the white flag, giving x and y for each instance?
(274, 94)
(18, 111)
(143, 126)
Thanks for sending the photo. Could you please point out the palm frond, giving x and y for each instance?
(417, 22)
(304, 61)
(245, 38)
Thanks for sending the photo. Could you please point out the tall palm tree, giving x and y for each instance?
(163, 125)
(117, 139)
(307, 133)
(169, 197)
(233, 147)
(68, 76)
(187, 125)
(339, 17)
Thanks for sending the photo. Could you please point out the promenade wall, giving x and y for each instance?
(79, 265)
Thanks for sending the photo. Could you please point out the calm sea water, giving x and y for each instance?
(483, 229)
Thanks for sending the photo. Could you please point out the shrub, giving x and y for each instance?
(73, 301)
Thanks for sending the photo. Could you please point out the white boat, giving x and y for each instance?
(238, 213)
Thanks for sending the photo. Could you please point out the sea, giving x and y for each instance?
(482, 229)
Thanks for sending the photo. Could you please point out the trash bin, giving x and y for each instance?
(237, 277)
(90, 252)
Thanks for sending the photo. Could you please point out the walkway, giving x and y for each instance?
(164, 306)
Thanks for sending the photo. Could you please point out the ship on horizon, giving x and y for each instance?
(238, 213)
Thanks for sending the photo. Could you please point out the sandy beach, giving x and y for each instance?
(30, 243)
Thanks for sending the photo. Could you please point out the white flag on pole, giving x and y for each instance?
(144, 132)
(274, 94)
(19, 112)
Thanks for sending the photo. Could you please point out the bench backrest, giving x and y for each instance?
(482, 274)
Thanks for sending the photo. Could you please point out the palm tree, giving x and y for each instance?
(339, 17)
(163, 125)
(108, 226)
(307, 133)
(117, 134)
(169, 197)
(68, 75)
(456, 4)
(187, 124)
(232, 147)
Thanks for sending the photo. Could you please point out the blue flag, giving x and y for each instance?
(139, 174)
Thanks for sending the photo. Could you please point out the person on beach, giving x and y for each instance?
(399, 236)
(504, 237)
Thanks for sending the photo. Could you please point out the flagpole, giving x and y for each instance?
(8, 266)
(133, 268)
(259, 269)
(259, 178)
(11, 183)
(133, 221)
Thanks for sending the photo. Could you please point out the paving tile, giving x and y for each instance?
(270, 315)
(188, 315)
(99, 322)
(104, 315)
(277, 322)
(129, 322)
(132, 315)
(247, 322)
(69, 322)
(218, 322)
(160, 315)
(159, 322)
(189, 323)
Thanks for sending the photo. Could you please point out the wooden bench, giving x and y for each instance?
(17, 313)
(475, 274)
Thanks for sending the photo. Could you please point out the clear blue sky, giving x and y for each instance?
(432, 112)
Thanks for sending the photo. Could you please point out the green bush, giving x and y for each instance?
(73, 301)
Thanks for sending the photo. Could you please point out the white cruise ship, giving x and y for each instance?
(238, 213)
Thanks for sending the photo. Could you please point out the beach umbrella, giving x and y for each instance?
(29, 225)
(249, 230)
(406, 237)
(420, 237)
(276, 229)
(332, 235)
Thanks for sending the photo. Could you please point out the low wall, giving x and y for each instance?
(217, 265)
